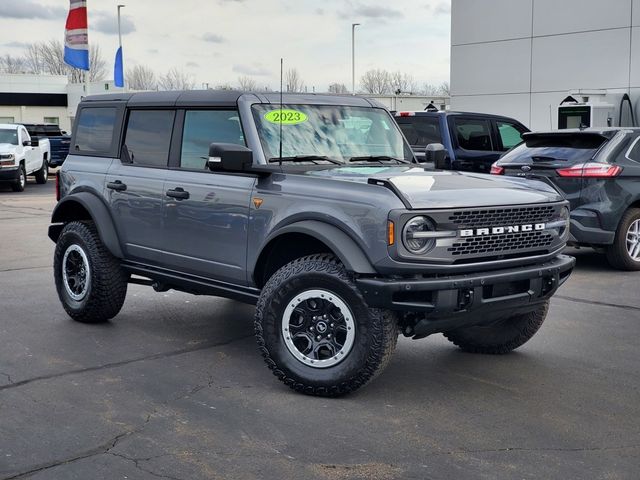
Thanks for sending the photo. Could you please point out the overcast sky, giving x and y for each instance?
(217, 41)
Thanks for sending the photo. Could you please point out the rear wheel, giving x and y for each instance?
(502, 336)
(21, 181)
(624, 254)
(315, 331)
(42, 175)
(90, 282)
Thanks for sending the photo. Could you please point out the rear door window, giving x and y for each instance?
(473, 134)
(95, 127)
(204, 127)
(420, 130)
(148, 137)
(510, 134)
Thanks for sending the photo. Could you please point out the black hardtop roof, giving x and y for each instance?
(449, 113)
(225, 98)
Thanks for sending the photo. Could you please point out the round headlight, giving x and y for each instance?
(413, 235)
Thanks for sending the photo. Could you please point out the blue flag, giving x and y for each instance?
(118, 74)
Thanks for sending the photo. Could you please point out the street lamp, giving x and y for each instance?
(353, 57)
(120, 43)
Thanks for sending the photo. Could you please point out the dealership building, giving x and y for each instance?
(524, 58)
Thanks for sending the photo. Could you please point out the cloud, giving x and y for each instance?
(153, 51)
(108, 23)
(443, 8)
(16, 44)
(29, 9)
(254, 69)
(212, 38)
(193, 64)
(370, 11)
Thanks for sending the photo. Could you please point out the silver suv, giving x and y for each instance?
(311, 207)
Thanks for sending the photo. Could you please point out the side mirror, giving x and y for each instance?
(26, 143)
(435, 153)
(229, 157)
(35, 142)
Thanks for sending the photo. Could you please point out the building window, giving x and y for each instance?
(54, 120)
(7, 120)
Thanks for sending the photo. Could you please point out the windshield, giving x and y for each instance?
(339, 133)
(9, 136)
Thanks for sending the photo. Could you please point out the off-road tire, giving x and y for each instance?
(617, 253)
(21, 181)
(502, 336)
(376, 330)
(108, 280)
(42, 175)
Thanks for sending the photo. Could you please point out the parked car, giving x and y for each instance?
(598, 171)
(21, 156)
(316, 211)
(58, 139)
(473, 141)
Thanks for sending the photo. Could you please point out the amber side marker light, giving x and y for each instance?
(391, 232)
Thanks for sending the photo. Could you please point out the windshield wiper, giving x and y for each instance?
(304, 158)
(378, 158)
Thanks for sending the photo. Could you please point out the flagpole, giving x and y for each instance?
(124, 83)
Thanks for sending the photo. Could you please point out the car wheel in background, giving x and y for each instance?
(21, 181)
(624, 254)
(42, 175)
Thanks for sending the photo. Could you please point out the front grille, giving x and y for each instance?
(506, 243)
(502, 216)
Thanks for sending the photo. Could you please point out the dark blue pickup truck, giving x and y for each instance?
(58, 139)
(473, 141)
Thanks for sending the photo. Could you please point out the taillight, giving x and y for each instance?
(591, 170)
(497, 169)
(57, 186)
(407, 114)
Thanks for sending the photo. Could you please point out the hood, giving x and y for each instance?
(7, 148)
(419, 189)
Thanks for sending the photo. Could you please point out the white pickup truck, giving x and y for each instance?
(21, 156)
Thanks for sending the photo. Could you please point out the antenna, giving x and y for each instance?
(281, 75)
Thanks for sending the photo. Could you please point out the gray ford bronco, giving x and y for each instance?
(311, 207)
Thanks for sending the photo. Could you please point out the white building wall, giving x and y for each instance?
(522, 57)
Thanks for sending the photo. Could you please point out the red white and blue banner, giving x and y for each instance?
(76, 36)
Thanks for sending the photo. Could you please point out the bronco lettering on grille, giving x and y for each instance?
(479, 232)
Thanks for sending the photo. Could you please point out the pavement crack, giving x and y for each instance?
(8, 377)
(136, 463)
(103, 449)
(106, 366)
(544, 449)
(24, 268)
(594, 302)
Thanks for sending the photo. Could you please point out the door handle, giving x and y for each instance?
(118, 186)
(178, 193)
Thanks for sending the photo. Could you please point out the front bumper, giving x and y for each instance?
(459, 300)
(9, 174)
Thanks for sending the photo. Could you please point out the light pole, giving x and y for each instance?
(353, 57)
(120, 44)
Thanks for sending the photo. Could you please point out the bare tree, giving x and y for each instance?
(11, 64)
(176, 79)
(444, 89)
(376, 81)
(48, 57)
(141, 77)
(294, 80)
(402, 83)
(247, 84)
(338, 88)
(429, 89)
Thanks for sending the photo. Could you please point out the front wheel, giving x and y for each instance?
(315, 331)
(91, 283)
(21, 181)
(624, 254)
(502, 336)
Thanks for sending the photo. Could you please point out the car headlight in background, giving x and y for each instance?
(418, 235)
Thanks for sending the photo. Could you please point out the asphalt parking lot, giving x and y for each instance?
(174, 388)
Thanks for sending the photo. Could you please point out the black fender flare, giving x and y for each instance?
(99, 213)
(341, 244)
